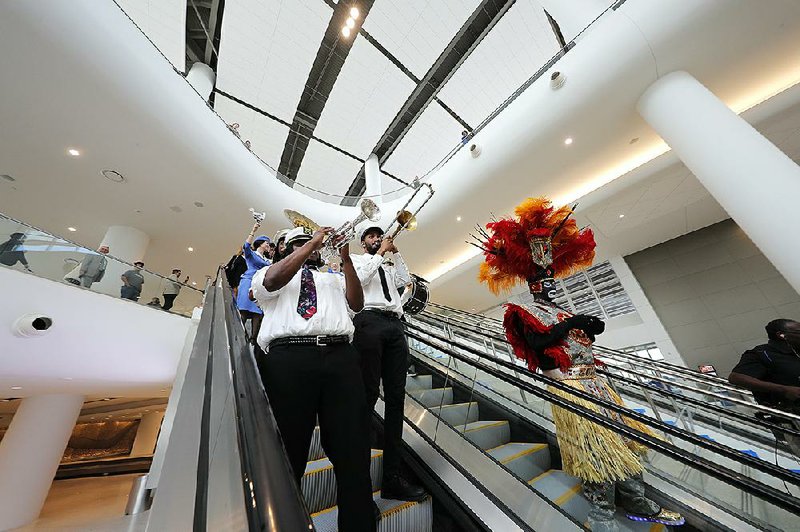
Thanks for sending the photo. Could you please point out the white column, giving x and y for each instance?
(30, 453)
(754, 181)
(372, 179)
(146, 434)
(126, 243)
(202, 78)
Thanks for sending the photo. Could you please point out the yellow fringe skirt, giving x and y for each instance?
(589, 451)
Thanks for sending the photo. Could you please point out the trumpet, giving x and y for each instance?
(347, 231)
(341, 236)
(405, 219)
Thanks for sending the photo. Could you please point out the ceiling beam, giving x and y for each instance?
(331, 55)
(477, 26)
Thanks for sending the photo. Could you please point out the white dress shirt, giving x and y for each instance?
(366, 266)
(280, 308)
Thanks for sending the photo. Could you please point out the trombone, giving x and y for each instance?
(405, 219)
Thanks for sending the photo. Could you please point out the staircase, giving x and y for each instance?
(529, 461)
(319, 490)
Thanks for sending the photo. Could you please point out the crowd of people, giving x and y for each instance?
(92, 269)
(325, 336)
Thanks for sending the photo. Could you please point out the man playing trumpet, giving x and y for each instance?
(381, 342)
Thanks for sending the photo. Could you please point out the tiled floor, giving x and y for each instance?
(87, 505)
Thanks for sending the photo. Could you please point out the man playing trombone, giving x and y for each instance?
(381, 342)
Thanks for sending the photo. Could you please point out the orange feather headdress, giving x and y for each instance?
(517, 249)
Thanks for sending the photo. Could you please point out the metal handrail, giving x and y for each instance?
(273, 499)
(426, 317)
(727, 452)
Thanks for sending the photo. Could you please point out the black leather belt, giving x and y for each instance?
(322, 340)
(382, 312)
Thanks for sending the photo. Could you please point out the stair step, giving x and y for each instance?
(419, 382)
(315, 451)
(396, 516)
(458, 414)
(526, 460)
(565, 491)
(487, 434)
(433, 397)
(319, 482)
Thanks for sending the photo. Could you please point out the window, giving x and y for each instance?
(646, 351)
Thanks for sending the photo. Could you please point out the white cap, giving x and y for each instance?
(296, 234)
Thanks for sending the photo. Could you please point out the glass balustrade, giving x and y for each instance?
(30, 250)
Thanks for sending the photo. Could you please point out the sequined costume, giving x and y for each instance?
(542, 243)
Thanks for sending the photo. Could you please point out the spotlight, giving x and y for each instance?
(71, 229)
(73, 152)
(350, 23)
(458, 218)
(622, 216)
(346, 31)
(190, 248)
(354, 12)
(568, 141)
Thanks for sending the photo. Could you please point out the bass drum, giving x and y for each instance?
(416, 295)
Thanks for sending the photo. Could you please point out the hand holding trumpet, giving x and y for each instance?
(387, 245)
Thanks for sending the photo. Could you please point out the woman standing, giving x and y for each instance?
(254, 250)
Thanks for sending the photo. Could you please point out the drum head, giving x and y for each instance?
(419, 296)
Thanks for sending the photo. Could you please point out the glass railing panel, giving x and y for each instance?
(734, 500)
(31, 250)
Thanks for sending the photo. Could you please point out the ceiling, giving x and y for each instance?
(127, 109)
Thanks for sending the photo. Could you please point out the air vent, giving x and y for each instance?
(198, 204)
(113, 175)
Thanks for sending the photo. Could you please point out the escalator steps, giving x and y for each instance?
(458, 414)
(319, 482)
(315, 452)
(487, 434)
(396, 516)
(433, 397)
(526, 460)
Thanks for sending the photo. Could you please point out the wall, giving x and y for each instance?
(98, 345)
(713, 291)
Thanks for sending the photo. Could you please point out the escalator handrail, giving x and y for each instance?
(664, 365)
(727, 452)
(273, 500)
(751, 405)
(739, 481)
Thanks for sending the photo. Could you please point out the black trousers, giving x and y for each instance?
(169, 300)
(382, 346)
(304, 383)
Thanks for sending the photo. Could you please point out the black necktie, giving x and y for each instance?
(384, 285)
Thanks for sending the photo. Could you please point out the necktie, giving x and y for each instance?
(307, 302)
(384, 284)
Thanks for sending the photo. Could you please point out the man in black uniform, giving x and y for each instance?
(383, 349)
(311, 370)
(772, 372)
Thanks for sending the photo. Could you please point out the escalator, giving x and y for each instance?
(477, 435)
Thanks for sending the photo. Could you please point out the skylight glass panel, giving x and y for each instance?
(365, 98)
(417, 31)
(164, 23)
(519, 45)
(326, 171)
(267, 50)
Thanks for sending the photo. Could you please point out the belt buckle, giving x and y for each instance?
(320, 339)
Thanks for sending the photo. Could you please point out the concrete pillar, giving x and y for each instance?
(202, 78)
(372, 179)
(126, 243)
(146, 434)
(754, 181)
(30, 453)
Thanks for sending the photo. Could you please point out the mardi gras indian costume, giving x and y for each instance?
(540, 244)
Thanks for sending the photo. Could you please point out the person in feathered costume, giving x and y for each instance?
(540, 244)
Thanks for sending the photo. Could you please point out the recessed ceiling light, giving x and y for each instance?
(71, 229)
(16, 387)
(458, 218)
(568, 141)
(190, 248)
(346, 31)
(66, 378)
(194, 283)
(73, 152)
(350, 23)
(354, 12)
(622, 216)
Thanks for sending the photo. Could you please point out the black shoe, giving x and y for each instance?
(399, 489)
(377, 511)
